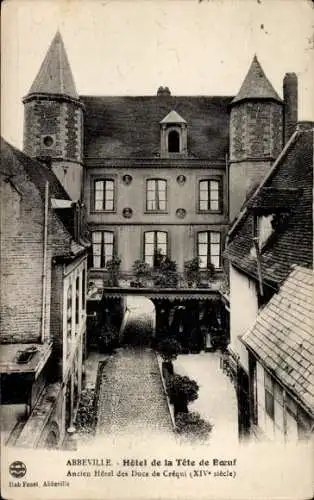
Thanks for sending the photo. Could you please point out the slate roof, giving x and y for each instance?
(38, 172)
(55, 74)
(256, 85)
(271, 200)
(292, 243)
(282, 337)
(129, 127)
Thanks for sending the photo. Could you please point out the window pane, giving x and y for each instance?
(202, 249)
(214, 205)
(204, 186)
(99, 186)
(96, 261)
(149, 237)
(108, 237)
(215, 260)
(149, 249)
(202, 237)
(214, 186)
(99, 195)
(149, 259)
(202, 262)
(203, 205)
(162, 205)
(161, 238)
(161, 185)
(150, 185)
(109, 186)
(151, 195)
(109, 205)
(96, 235)
(214, 237)
(99, 205)
(97, 249)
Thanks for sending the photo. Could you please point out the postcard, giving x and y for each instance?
(156, 249)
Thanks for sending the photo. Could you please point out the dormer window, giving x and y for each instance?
(173, 136)
(270, 209)
(173, 142)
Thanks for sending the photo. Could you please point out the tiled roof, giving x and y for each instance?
(38, 172)
(130, 126)
(292, 242)
(256, 85)
(282, 336)
(55, 74)
(271, 200)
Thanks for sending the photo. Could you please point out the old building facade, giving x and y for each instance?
(152, 181)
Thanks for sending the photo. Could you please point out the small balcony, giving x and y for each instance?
(155, 280)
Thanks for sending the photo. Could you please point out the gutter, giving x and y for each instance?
(44, 276)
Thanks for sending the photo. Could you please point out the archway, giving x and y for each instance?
(140, 324)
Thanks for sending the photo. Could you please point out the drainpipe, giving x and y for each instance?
(44, 276)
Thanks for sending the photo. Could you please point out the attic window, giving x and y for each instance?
(173, 142)
(173, 135)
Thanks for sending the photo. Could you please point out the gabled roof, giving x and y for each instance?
(282, 337)
(256, 85)
(291, 243)
(37, 172)
(55, 75)
(173, 117)
(129, 127)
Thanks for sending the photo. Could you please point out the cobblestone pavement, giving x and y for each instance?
(131, 397)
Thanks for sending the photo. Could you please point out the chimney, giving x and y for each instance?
(290, 97)
(163, 91)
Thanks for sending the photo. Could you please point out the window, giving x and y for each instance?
(156, 195)
(208, 249)
(83, 288)
(104, 195)
(155, 247)
(69, 318)
(77, 300)
(173, 142)
(269, 396)
(209, 195)
(102, 248)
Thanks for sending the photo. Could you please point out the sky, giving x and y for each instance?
(132, 47)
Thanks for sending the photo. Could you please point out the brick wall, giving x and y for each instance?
(255, 130)
(21, 259)
(60, 120)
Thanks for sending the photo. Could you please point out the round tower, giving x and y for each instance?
(256, 121)
(53, 119)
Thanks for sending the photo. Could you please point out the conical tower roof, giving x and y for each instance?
(55, 75)
(256, 85)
